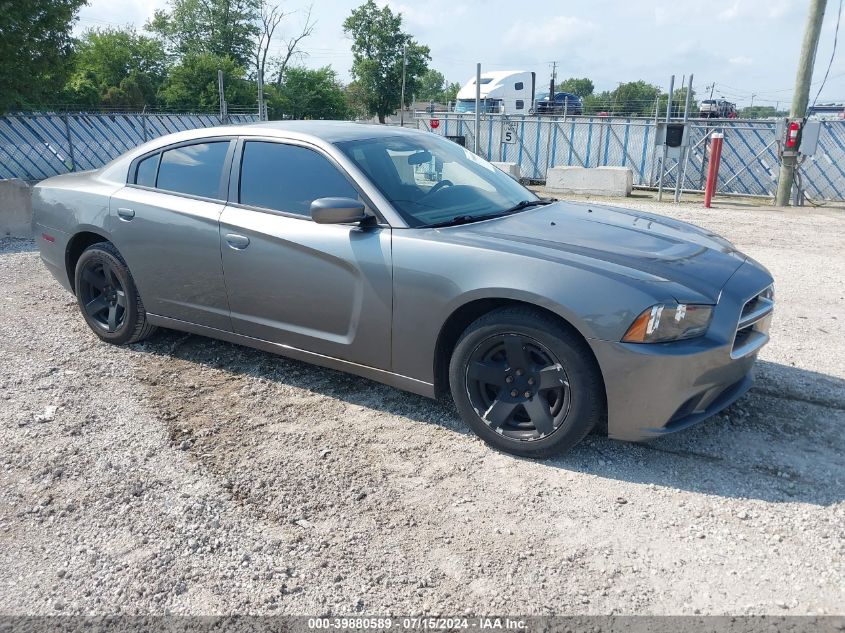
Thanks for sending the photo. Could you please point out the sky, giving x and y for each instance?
(747, 47)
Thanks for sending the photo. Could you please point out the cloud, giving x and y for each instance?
(429, 14)
(662, 16)
(729, 13)
(554, 31)
(779, 9)
(740, 60)
(756, 9)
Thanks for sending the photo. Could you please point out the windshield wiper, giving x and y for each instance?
(466, 219)
(524, 204)
(458, 219)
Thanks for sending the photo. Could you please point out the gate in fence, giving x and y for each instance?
(749, 165)
(37, 146)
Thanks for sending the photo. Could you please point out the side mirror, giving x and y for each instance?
(337, 211)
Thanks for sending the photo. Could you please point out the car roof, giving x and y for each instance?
(318, 132)
(330, 131)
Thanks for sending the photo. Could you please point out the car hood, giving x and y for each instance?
(618, 241)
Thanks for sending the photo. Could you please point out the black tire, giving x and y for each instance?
(107, 296)
(539, 410)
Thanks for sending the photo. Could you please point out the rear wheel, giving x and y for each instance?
(107, 296)
(525, 383)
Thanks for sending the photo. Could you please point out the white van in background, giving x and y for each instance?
(505, 91)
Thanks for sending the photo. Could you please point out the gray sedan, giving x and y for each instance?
(402, 257)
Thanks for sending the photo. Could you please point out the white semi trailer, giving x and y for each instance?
(502, 91)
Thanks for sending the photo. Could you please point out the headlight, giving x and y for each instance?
(669, 322)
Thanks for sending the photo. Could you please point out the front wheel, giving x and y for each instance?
(526, 383)
(108, 298)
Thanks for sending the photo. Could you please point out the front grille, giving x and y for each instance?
(752, 327)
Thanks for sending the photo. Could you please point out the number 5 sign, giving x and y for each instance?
(509, 133)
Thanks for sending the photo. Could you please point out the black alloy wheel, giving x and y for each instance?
(107, 296)
(518, 387)
(526, 382)
(102, 296)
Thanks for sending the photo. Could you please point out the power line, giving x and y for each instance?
(832, 53)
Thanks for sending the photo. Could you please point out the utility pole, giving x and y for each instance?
(222, 96)
(477, 106)
(801, 96)
(402, 98)
(552, 85)
(753, 94)
(260, 82)
(712, 86)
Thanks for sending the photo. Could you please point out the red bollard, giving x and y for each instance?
(713, 167)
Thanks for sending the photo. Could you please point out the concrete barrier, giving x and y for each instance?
(597, 181)
(511, 169)
(15, 208)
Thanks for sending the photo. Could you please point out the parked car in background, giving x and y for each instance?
(717, 109)
(563, 103)
(400, 256)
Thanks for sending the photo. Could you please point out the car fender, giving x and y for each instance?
(434, 279)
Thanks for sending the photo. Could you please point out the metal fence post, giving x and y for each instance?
(501, 136)
(665, 147)
(69, 143)
(681, 174)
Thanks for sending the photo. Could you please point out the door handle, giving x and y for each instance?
(125, 214)
(238, 242)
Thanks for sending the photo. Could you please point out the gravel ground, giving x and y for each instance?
(185, 475)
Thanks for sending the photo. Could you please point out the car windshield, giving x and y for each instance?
(431, 180)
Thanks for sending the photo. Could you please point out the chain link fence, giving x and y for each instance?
(37, 146)
(749, 166)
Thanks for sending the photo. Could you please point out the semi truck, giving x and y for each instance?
(502, 91)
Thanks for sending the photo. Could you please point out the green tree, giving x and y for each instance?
(582, 87)
(431, 86)
(761, 112)
(634, 98)
(596, 103)
(116, 67)
(225, 28)
(192, 84)
(35, 47)
(451, 93)
(377, 44)
(679, 100)
(356, 101)
(309, 94)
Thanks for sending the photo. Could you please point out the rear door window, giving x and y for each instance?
(288, 178)
(193, 169)
(145, 174)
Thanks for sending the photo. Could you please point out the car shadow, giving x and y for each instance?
(782, 442)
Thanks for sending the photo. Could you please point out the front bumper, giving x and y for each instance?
(654, 389)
